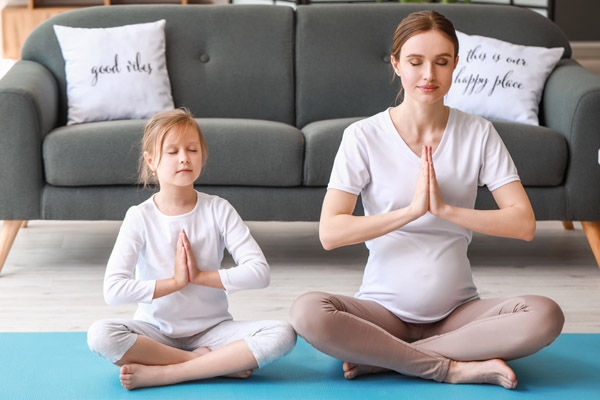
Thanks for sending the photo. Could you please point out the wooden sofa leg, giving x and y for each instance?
(8, 233)
(592, 232)
(568, 225)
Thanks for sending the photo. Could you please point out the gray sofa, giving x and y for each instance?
(273, 89)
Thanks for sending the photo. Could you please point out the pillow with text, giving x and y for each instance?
(500, 80)
(115, 73)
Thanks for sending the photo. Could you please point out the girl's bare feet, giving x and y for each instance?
(495, 372)
(352, 370)
(241, 374)
(134, 376)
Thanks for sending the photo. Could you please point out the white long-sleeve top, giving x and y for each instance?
(145, 250)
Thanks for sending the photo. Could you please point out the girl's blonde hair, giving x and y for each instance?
(155, 132)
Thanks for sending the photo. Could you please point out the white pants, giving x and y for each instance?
(267, 340)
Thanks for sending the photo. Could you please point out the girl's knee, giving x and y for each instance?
(283, 335)
(97, 336)
(105, 338)
(287, 337)
(271, 342)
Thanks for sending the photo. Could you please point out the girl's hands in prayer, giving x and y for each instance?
(180, 275)
(192, 268)
(196, 276)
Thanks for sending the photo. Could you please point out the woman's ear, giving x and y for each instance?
(455, 62)
(395, 65)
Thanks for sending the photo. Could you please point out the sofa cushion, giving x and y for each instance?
(547, 168)
(540, 154)
(240, 152)
(322, 141)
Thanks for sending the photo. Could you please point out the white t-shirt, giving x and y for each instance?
(420, 272)
(145, 252)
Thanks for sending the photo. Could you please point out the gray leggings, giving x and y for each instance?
(364, 332)
(267, 340)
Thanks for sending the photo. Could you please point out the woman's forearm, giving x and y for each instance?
(345, 229)
(512, 222)
(338, 227)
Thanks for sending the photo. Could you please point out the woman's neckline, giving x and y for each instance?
(407, 148)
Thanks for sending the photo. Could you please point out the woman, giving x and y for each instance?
(417, 167)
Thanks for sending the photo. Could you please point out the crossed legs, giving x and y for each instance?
(468, 346)
(149, 358)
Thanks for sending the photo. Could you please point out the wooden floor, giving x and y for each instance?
(52, 280)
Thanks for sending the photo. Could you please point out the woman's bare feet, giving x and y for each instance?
(495, 372)
(352, 370)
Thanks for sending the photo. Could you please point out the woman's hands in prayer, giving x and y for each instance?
(427, 195)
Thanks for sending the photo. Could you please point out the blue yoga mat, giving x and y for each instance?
(60, 366)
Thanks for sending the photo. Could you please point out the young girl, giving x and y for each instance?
(167, 258)
(417, 167)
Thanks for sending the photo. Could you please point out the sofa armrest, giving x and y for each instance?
(28, 111)
(571, 106)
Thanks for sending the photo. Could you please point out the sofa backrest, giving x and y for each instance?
(342, 51)
(249, 72)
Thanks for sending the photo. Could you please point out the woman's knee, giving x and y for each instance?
(310, 314)
(550, 317)
(544, 322)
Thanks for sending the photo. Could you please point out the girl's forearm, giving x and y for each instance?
(167, 286)
(208, 278)
(170, 285)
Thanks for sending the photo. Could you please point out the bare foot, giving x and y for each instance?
(134, 376)
(352, 370)
(241, 374)
(494, 372)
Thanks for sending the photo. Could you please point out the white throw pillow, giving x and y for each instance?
(500, 80)
(115, 73)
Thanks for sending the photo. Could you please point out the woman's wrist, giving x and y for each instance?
(445, 212)
(409, 214)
